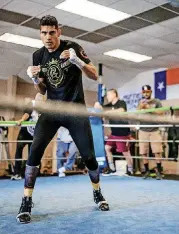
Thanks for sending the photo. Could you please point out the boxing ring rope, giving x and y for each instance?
(138, 126)
(117, 140)
(116, 156)
(73, 109)
(24, 124)
(30, 123)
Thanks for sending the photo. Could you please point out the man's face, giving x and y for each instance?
(111, 96)
(49, 36)
(147, 94)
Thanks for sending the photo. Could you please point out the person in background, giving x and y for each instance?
(65, 147)
(25, 134)
(114, 103)
(150, 133)
(4, 146)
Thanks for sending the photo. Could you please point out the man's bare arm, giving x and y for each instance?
(40, 87)
(90, 71)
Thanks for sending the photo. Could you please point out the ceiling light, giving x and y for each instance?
(127, 55)
(20, 40)
(93, 11)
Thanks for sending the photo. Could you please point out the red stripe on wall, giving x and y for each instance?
(172, 76)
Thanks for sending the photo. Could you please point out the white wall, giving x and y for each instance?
(111, 78)
(135, 85)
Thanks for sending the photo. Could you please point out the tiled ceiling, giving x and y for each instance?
(168, 6)
(112, 31)
(173, 38)
(72, 32)
(94, 37)
(152, 29)
(132, 7)
(159, 30)
(33, 23)
(157, 15)
(4, 2)
(13, 17)
(133, 23)
(82, 23)
(143, 14)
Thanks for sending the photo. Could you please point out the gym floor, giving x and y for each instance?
(65, 206)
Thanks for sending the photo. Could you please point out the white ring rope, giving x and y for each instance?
(138, 126)
(24, 141)
(77, 110)
(149, 158)
(140, 141)
(57, 107)
(114, 156)
(111, 140)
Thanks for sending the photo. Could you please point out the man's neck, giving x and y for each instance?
(56, 47)
(115, 100)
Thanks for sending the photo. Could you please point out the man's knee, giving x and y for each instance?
(37, 147)
(91, 163)
(36, 153)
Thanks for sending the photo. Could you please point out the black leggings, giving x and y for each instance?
(23, 135)
(79, 128)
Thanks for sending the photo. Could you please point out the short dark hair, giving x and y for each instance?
(146, 88)
(49, 20)
(114, 90)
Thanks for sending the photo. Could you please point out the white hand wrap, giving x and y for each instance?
(29, 73)
(75, 60)
(34, 79)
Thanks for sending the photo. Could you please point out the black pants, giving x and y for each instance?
(79, 128)
(23, 135)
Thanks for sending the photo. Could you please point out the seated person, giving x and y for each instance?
(65, 147)
(4, 146)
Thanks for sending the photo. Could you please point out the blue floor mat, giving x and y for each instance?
(65, 206)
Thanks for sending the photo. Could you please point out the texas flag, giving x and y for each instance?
(166, 84)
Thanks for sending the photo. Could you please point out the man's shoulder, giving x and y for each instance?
(120, 101)
(156, 100)
(39, 52)
(69, 43)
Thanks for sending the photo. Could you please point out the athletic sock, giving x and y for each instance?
(111, 166)
(28, 192)
(130, 168)
(95, 186)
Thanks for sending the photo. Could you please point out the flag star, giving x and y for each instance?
(160, 86)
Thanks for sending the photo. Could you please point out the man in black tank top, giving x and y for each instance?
(57, 69)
